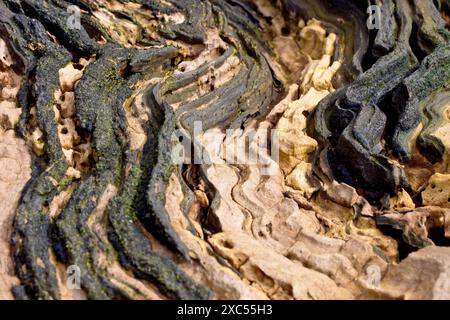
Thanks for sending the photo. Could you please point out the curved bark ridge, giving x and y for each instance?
(241, 149)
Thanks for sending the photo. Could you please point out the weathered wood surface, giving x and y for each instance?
(356, 205)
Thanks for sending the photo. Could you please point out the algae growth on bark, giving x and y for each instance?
(224, 149)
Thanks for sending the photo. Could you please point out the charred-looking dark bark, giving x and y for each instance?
(109, 89)
(388, 93)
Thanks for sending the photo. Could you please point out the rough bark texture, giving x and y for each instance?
(349, 199)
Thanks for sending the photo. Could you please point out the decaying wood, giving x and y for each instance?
(91, 115)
